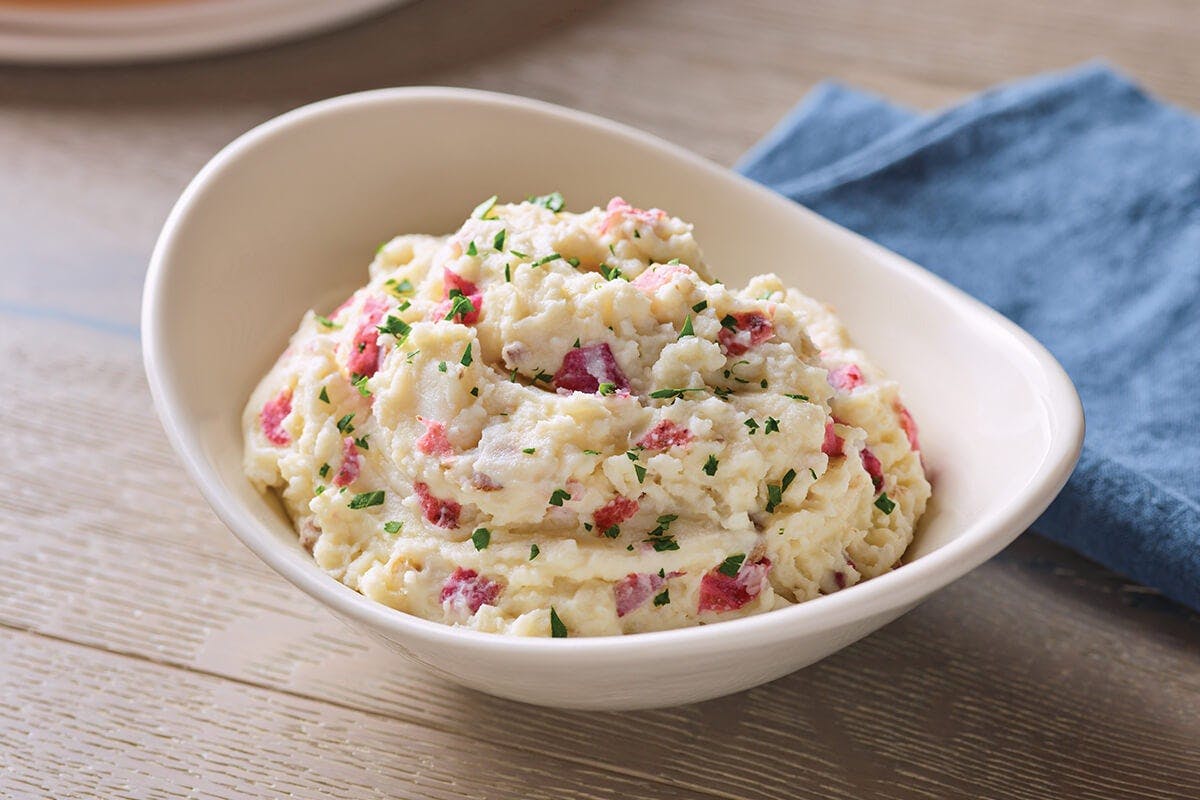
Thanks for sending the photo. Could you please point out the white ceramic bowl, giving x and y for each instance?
(287, 217)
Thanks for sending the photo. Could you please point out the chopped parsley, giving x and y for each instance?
(327, 322)
(345, 424)
(663, 598)
(399, 287)
(613, 531)
(471, 249)
(498, 242)
(323, 396)
(574, 262)
(687, 328)
(396, 327)
(591, 452)
(553, 201)
(366, 500)
(710, 466)
(319, 490)
(544, 377)
(475, 391)
(559, 495)
(632, 455)
(610, 273)
(732, 565)
(576, 345)
(460, 305)
(441, 366)
(533, 551)
(772, 426)
(729, 322)
(752, 424)
(775, 490)
(801, 397)
(788, 477)
(703, 304)
(637, 234)
(393, 527)
(664, 543)
(612, 248)
(483, 209)
(662, 394)
(557, 629)
(529, 450)
(481, 538)
(362, 442)
(408, 357)
(672, 262)
(812, 472)
(546, 259)
(466, 356)
(640, 471)
(360, 383)
(763, 383)
(885, 504)
(607, 388)
(508, 273)
(518, 254)
(323, 471)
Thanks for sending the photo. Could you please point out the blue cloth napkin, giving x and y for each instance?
(1071, 204)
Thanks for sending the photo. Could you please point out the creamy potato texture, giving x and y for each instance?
(551, 423)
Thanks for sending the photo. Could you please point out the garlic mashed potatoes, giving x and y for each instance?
(553, 424)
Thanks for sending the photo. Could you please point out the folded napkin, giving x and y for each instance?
(1071, 204)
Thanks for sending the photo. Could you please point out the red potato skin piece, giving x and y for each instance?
(664, 435)
(471, 588)
(908, 425)
(720, 592)
(832, 446)
(614, 512)
(452, 280)
(652, 280)
(846, 378)
(273, 413)
(351, 463)
(434, 441)
(753, 329)
(632, 591)
(618, 209)
(585, 368)
(364, 349)
(873, 467)
(442, 513)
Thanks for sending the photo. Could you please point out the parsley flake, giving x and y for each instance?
(788, 477)
(366, 500)
(576, 345)
(441, 366)
(732, 565)
(319, 490)
(508, 273)
(687, 328)
(752, 424)
(518, 254)
(393, 527)
(362, 442)
(360, 383)
(399, 287)
(812, 472)
(553, 201)
(574, 262)
(396, 327)
(481, 538)
(610, 273)
(672, 262)
(772, 426)
(498, 242)
(591, 452)
(559, 495)
(533, 551)
(475, 391)
(710, 466)
(800, 397)
(323, 396)
(544, 377)
(613, 531)
(466, 356)
(483, 209)
(703, 304)
(663, 543)
(327, 322)
(729, 322)
(662, 394)
(529, 450)
(345, 423)
(471, 249)
(607, 388)
(885, 504)
(663, 598)
(460, 305)
(323, 471)
(546, 259)
(640, 471)
(557, 629)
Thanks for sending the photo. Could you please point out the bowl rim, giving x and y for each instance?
(898, 589)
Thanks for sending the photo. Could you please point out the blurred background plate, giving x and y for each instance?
(89, 32)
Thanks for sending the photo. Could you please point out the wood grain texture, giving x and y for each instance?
(145, 653)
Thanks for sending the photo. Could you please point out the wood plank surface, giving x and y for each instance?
(145, 653)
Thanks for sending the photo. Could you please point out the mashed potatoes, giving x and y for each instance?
(552, 423)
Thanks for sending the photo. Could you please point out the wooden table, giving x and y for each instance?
(146, 653)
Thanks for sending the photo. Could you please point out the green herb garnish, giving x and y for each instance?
(460, 305)
(360, 383)
(553, 201)
(471, 249)
(366, 500)
(498, 242)
(323, 471)
(703, 304)
(483, 209)
(613, 531)
(607, 388)
(663, 598)
(546, 259)
(345, 423)
(710, 466)
(662, 394)
(529, 450)
(481, 538)
(772, 426)
(466, 356)
(610, 273)
(557, 629)
(396, 327)
(687, 328)
(533, 551)
(393, 527)
(801, 397)
(559, 495)
(323, 396)
(885, 504)
(327, 322)
(640, 471)
(732, 565)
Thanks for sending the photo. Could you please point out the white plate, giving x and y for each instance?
(288, 216)
(82, 33)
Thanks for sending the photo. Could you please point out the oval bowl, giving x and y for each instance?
(287, 217)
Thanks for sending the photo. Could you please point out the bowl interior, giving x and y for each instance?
(288, 218)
